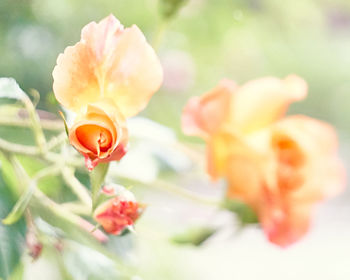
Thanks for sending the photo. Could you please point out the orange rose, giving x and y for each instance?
(109, 75)
(119, 212)
(99, 134)
(280, 166)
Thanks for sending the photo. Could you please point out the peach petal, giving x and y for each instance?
(285, 224)
(204, 115)
(108, 62)
(314, 135)
(260, 102)
(323, 171)
(245, 179)
(99, 133)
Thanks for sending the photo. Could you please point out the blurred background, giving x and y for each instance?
(206, 41)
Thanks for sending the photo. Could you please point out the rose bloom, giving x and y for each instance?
(118, 212)
(279, 165)
(108, 76)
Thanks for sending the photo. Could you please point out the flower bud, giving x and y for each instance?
(118, 212)
(33, 244)
(168, 8)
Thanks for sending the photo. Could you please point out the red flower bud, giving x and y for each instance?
(119, 212)
(33, 244)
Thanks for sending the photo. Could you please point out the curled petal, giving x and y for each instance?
(309, 157)
(204, 115)
(307, 170)
(314, 135)
(260, 102)
(108, 62)
(117, 213)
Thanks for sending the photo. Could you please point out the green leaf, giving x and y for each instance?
(55, 224)
(194, 236)
(64, 122)
(83, 262)
(20, 206)
(19, 135)
(244, 212)
(52, 186)
(10, 89)
(97, 177)
(25, 196)
(17, 273)
(12, 238)
(9, 175)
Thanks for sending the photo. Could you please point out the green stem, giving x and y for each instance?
(97, 177)
(72, 161)
(68, 216)
(56, 141)
(9, 147)
(52, 125)
(23, 201)
(182, 192)
(76, 186)
(48, 171)
(75, 220)
(157, 39)
(163, 185)
(42, 199)
(35, 122)
(77, 208)
(13, 148)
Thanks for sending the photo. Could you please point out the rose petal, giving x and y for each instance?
(99, 133)
(260, 102)
(204, 115)
(285, 224)
(116, 214)
(108, 62)
(323, 172)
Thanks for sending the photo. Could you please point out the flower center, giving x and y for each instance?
(290, 163)
(95, 138)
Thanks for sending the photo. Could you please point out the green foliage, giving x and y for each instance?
(97, 178)
(83, 262)
(245, 214)
(12, 238)
(52, 186)
(10, 89)
(194, 236)
(65, 123)
(9, 176)
(20, 206)
(169, 8)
